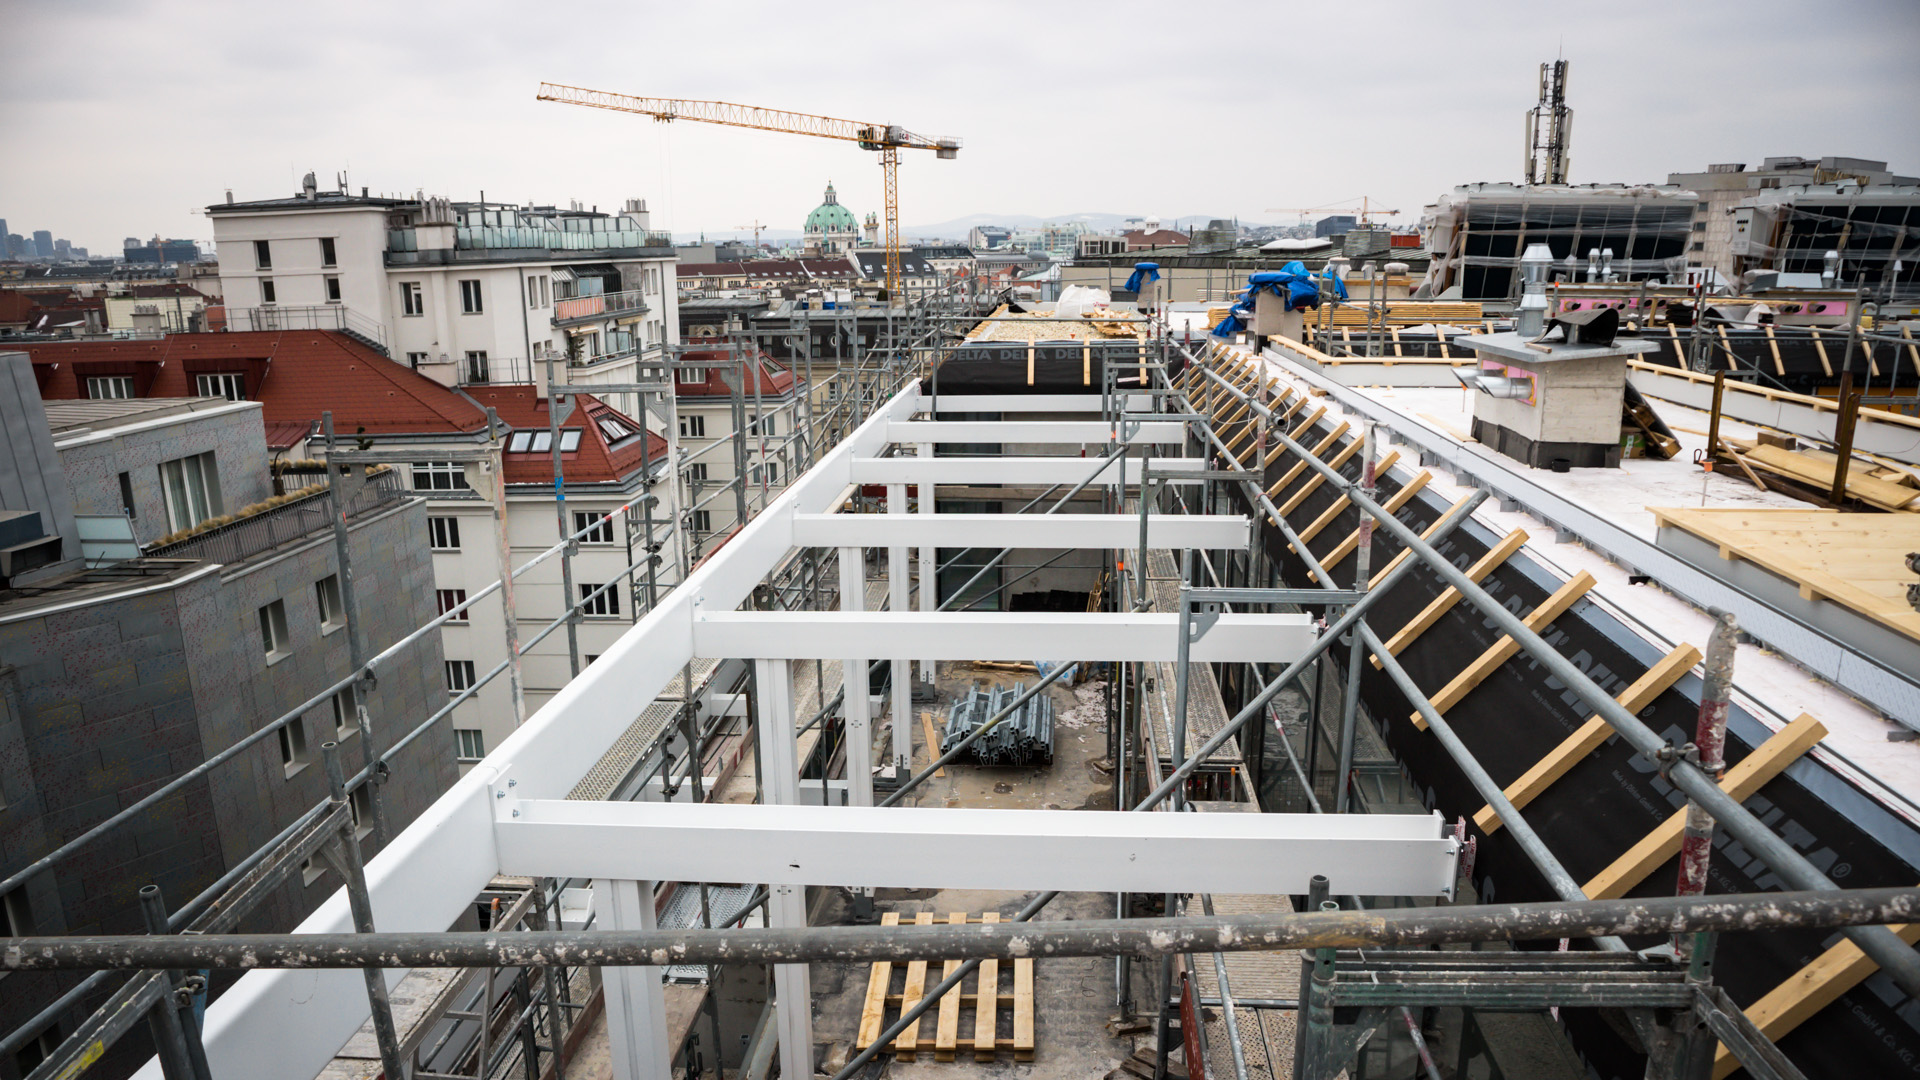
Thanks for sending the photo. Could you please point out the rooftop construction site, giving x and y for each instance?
(1485, 653)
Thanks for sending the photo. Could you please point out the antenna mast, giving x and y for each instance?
(1549, 127)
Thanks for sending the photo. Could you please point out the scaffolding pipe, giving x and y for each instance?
(1386, 928)
(1362, 570)
(1884, 947)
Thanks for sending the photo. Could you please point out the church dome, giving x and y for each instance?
(831, 217)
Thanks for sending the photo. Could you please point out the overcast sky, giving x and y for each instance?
(123, 118)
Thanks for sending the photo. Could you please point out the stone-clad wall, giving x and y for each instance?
(236, 439)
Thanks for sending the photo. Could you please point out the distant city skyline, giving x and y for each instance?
(441, 98)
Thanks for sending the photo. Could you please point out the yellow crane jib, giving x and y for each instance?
(887, 139)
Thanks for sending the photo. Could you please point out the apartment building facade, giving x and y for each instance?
(380, 404)
(466, 293)
(122, 673)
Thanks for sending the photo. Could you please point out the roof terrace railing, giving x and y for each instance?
(600, 306)
(241, 540)
(273, 317)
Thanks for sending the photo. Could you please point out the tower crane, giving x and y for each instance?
(1366, 209)
(886, 139)
(756, 227)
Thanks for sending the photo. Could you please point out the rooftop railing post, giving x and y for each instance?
(1316, 1057)
(569, 600)
(345, 854)
(356, 631)
(1709, 745)
(176, 1038)
(510, 623)
(1362, 570)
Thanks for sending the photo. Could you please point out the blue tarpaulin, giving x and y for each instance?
(1142, 272)
(1294, 283)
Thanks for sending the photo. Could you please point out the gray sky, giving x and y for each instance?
(122, 119)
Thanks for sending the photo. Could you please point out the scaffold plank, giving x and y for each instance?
(986, 1003)
(947, 1030)
(907, 1044)
(873, 1011)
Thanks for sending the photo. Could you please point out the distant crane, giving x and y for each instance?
(887, 139)
(1367, 211)
(756, 227)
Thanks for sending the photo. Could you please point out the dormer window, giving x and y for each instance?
(541, 442)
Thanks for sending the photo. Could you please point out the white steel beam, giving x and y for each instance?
(780, 786)
(1022, 403)
(635, 1000)
(1027, 635)
(1002, 850)
(924, 551)
(901, 708)
(1010, 470)
(853, 679)
(1063, 432)
(993, 531)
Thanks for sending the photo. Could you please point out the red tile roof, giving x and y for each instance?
(295, 375)
(773, 378)
(596, 461)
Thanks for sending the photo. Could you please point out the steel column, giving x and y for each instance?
(854, 684)
(636, 1003)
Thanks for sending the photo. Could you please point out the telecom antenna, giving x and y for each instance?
(1549, 127)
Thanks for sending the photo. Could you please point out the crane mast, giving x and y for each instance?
(887, 139)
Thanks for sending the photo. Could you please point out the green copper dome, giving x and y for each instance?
(831, 217)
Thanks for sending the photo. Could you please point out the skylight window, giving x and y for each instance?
(541, 442)
(613, 427)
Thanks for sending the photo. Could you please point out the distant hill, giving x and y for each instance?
(1097, 221)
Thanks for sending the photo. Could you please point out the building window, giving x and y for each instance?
(346, 714)
(333, 289)
(765, 473)
(262, 255)
(274, 640)
(599, 528)
(546, 293)
(606, 603)
(192, 489)
(326, 595)
(702, 521)
(1699, 245)
(459, 676)
(361, 806)
(471, 742)
(293, 746)
(690, 376)
(443, 533)
(411, 301)
(470, 296)
(415, 359)
(126, 496)
(476, 365)
(233, 387)
(328, 257)
(110, 387)
(450, 599)
(439, 476)
(697, 471)
(1699, 226)
(266, 291)
(765, 425)
(533, 292)
(693, 427)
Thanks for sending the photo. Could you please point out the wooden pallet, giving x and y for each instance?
(985, 1001)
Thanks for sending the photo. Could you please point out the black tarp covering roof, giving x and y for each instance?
(1613, 798)
(1047, 367)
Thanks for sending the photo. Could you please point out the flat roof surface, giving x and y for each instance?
(64, 417)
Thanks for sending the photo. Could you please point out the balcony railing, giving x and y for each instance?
(241, 540)
(630, 304)
(403, 245)
(328, 317)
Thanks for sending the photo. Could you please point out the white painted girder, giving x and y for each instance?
(1025, 635)
(1025, 403)
(1087, 531)
(1010, 470)
(1010, 850)
(1064, 432)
